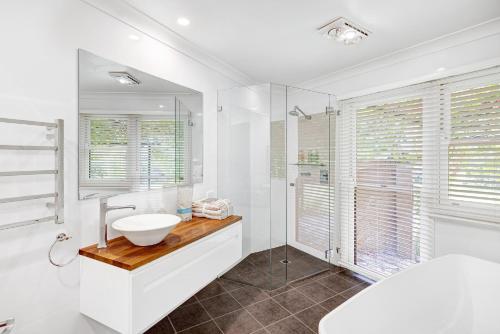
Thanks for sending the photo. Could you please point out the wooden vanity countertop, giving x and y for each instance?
(122, 253)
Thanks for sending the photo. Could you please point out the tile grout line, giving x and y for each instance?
(170, 320)
(303, 323)
(291, 314)
(244, 308)
(318, 304)
(296, 288)
(291, 288)
(303, 295)
(197, 301)
(211, 318)
(315, 303)
(337, 293)
(191, 327)
(171, 324)
(211, 296)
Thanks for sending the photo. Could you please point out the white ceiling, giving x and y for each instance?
(94, 78)
(276, 40)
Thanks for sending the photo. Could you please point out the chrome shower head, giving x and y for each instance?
(297, 111)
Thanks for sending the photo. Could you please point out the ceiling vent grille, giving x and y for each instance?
(344, 31)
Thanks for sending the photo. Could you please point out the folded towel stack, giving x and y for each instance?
(212, 208)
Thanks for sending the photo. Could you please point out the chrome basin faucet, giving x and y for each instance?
(103, 210)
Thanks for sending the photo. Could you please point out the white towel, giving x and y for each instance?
(212, 208)
(212, 204)
(204, 215)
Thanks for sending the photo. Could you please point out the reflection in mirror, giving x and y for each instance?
(136, 131)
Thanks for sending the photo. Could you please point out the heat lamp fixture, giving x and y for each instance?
(124, 78)
(344, 31)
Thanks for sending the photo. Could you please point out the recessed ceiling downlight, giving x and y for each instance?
(183, 21)
(124, 78)
(344, 31)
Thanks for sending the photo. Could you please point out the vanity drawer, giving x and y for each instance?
(163, 285)
(131, 301)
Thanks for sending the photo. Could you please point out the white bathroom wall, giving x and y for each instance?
(38, 63)
(467, 50)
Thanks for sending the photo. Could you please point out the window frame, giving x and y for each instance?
(378, 102)
(86, 181)
(134, 147)
(446, 205)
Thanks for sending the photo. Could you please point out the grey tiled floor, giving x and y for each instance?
(266, 270)
(228, 307)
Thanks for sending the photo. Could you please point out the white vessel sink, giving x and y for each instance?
(146, 229)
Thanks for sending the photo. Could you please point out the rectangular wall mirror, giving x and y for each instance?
(137, 132)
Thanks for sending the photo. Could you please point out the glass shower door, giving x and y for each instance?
(276, 151)
(311, 176)
(244, 176)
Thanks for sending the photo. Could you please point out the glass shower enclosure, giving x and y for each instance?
(276, 163)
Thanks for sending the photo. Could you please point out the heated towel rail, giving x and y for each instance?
(58, 195)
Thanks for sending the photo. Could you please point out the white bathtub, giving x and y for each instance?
(453, 294)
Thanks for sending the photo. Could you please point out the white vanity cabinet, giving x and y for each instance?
(132, 301)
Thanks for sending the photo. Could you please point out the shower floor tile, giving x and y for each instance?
(265, 269)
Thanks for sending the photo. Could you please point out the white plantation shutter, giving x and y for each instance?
(347, 157)
(385, 225)
(157, 153)
(471, 147)
(412, 155)
(104, 150)
(136, 152)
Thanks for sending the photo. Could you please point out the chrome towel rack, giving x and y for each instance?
(58, 195)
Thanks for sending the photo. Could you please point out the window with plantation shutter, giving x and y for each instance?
(389, 141)
(388, 179)
(412, 156)
(157, 153)
(472, 143)
(136, 152)
(106, 148)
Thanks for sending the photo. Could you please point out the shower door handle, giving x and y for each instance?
(328, 253)
(6, 326)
